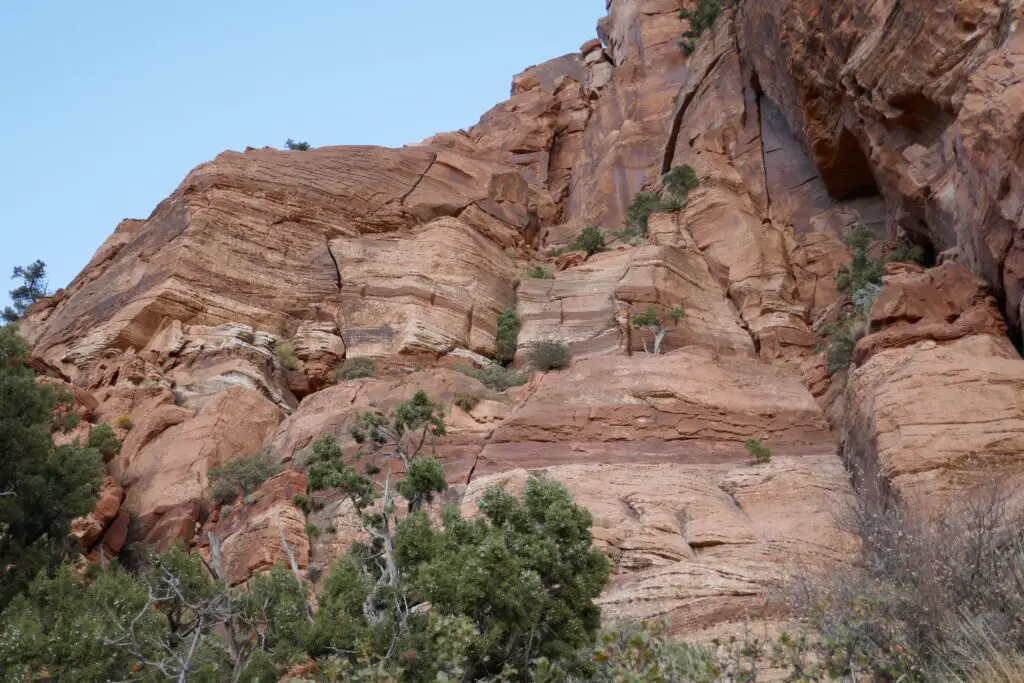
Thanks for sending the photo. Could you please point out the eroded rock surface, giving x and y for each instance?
(799, 121)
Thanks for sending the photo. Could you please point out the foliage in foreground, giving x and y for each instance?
(510, 586)
(104, 441)
(42, 486)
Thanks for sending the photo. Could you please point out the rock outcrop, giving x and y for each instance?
(800, 121)
(919, 102)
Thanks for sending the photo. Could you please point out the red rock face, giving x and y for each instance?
(800, 119)
(919, 102)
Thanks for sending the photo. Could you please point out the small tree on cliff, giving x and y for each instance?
(297, 146)
(403, 435)
(654, 322)
(34, 287)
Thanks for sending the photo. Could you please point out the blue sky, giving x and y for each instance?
(107, 105)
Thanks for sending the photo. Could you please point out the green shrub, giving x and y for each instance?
(34, 286)
(312, 530)
(540, 272)
(548, 355)
(590, 240)
(757, 450)
(467, 401)
(242, 476)
(506, 339)
(673, 203)
(906, 252)
(45, 486)
(355, 368)
(296, 146)
(861, 280)
(103, 439)
(285, 354)
(701, 18)
(494, 376)
(680, 181)
(863, 269)
(649, 317)
(640, 210)
(66, 421)
(841, 340)
(675, 314)
(223, 493)
(125, 423)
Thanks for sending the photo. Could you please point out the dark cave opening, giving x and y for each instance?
(849, 176)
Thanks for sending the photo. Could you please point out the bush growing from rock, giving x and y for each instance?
(506, 338)
(680, 181)
(125, 423)
(590, 240)
(285, 354)
(540, 272)
(548, 355)
(640, 210)
(467, 401)
(296, 146)
(242, 476)
(494, 376)
(701, 18)
(653, 321)
(862, 282)
(355, 368)
(757, 450)
(103, 439)
(33, 287)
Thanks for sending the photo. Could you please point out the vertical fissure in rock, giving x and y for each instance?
(334, 260)
(682, 107)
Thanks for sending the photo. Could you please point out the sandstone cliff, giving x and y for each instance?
(800, 117)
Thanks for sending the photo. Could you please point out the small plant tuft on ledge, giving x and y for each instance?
(286, 356)
(757, 450)
(548, 355)
(355, 368)
(297, 146)
(590, 240)
(540, 272)
(494, 376)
